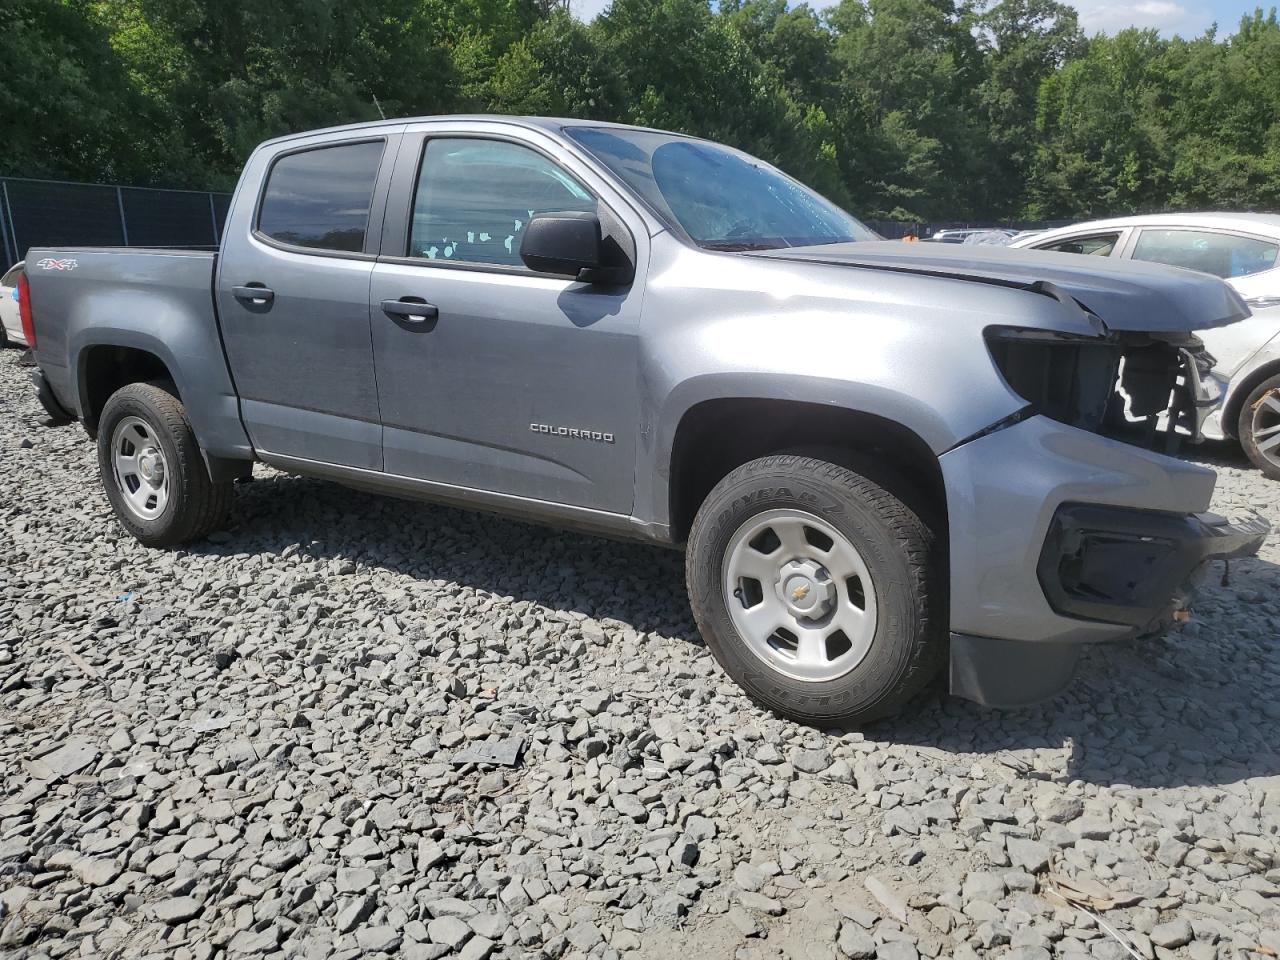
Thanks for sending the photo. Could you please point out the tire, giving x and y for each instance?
(1259, 427)
(895, 646)
(178, 502)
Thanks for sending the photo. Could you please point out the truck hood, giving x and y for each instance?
(1123, 294)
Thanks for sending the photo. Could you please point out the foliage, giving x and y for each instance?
(914, 109)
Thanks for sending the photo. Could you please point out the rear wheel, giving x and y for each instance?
(152, 470)
(1259, 427)
(815, 590)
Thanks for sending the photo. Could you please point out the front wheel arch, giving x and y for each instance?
(1235, 404)
(1257, 411)
(715, 437)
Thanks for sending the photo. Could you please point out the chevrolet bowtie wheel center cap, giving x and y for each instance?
(806, 588)
(151, 466)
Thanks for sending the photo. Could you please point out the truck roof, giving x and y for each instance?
(534, 123)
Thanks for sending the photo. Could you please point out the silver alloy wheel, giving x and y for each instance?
(1266, 426)
(139, 467)
(800, 595)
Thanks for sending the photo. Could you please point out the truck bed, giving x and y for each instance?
(122, 299)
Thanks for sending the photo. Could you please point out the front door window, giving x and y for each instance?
(475, 197)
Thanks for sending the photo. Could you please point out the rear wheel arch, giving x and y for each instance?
(104, 368)
(715, 437)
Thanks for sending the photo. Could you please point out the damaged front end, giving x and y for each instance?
(1148, 389)
(1077, 527)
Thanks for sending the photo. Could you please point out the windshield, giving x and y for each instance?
(723, 199)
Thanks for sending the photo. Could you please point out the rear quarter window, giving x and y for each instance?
(1224, 255)
(320, 198)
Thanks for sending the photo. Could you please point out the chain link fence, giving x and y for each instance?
(38, 213)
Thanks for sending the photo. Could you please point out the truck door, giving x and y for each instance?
(491, 376)
(293, 299)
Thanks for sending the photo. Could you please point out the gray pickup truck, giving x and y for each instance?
(877, 457)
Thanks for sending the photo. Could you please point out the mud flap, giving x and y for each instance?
(1010, 673)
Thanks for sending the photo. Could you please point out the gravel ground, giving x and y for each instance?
(260, 746)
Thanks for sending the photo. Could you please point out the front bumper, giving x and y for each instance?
(1061, 537)
(1132, 567)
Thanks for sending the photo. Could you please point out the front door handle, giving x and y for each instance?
(412, 309)
(254, 294)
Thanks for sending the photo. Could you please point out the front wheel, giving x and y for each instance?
(152, 470)
(816, 590)
(1259, 427)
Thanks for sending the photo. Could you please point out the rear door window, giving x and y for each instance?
(1094, 245)
(1224, 255)
(320, 198)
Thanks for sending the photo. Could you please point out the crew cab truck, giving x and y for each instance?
(878, 458)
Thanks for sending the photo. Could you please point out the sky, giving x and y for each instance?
(1189, 18)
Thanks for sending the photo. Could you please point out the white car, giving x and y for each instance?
(1241, 248)
(10, 318)
(1244, 250)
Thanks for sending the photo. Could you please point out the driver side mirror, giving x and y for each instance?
(567, 244)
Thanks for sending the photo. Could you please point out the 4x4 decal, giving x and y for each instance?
(52, 263)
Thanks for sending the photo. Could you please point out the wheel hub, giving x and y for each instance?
(806, 589)
(151, 466)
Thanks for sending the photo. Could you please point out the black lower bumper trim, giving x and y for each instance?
(44, 393)
(1009, 673)
(1135, 567)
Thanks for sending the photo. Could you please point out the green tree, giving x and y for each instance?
(912, 109)
(1023, 42)
(912, 144)
(70, 109)
(1101, 146)
(556, 70)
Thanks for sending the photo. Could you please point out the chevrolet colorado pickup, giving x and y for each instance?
(878, 458)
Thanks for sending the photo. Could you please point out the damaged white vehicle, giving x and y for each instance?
(1247, 367)
(1243, 249)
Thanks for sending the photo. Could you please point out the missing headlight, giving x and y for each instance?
(1068, 379)
(1136, 388)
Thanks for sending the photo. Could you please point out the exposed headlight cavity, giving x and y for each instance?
(1125, 387)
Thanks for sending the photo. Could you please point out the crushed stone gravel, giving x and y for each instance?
(295, 740)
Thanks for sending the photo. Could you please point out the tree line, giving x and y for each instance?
(901, 109)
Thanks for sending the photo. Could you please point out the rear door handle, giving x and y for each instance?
(412, 309)
(257, 295)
